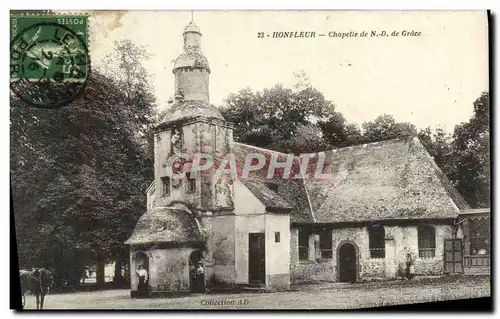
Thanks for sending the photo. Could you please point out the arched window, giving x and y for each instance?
(377, 241)
(426, 241)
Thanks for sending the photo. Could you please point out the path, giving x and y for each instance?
(319, 296)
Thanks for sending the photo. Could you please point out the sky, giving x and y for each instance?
(430, 80)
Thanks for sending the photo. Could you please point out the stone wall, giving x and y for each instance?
(277, 253)
(220, 256)
(294, 246)
(212, 192)
(432, 266)
(373, 268)
(194, 83)
(399, 241)
(168, 269)
(306, 271)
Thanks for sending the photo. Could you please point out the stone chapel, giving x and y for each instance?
(385, 202)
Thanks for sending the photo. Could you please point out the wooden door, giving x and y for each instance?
(453, 256)
(347, 263)
(256, 259)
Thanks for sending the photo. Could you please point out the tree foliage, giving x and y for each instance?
(470, 151)
(79, 172)
(385, 127)
(286, 120)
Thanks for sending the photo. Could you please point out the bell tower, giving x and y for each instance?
(191, 68)
(192, 130)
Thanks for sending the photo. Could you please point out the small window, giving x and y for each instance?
(304, 244)
(426, 242)
(272, 186)
(165, 186)
(376, 236)
(191, 187)
(277, 237)
(325, 243)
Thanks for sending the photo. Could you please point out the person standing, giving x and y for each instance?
(143, 279)
(200, 278)
(409, 264)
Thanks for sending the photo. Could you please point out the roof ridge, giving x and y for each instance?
(263, 149)
(381, 143)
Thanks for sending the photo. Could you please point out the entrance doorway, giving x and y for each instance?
(142, 259)
(256, 259)
(347, 263)
(196, 275)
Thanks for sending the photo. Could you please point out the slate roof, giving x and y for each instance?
(291, 192)
(191, 109)
(191, 58)
(388, 180)
(395, 179)
(192, 27)
(268, 197)
(173, 224)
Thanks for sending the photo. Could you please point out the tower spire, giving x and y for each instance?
(192, 16)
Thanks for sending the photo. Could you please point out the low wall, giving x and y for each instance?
(306, 271)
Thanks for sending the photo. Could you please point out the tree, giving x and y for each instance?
(471, 155)
(338, 133)
(438, 144)
(385, 127)
(286, 119)
(80, 171)
(307, 139)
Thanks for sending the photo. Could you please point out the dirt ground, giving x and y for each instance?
(310, 296)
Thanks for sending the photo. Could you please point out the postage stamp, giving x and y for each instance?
(49, 60)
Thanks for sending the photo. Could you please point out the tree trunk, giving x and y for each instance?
(127, 272)
(118, 272)
(100, 271)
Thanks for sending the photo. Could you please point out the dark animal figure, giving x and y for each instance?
(38, 281)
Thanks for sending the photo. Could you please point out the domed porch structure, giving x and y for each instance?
(163, 242)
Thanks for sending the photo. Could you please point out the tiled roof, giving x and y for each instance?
(395, 179)
(166, 225)
(389, 180)
(290, 192)
(268, 197)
